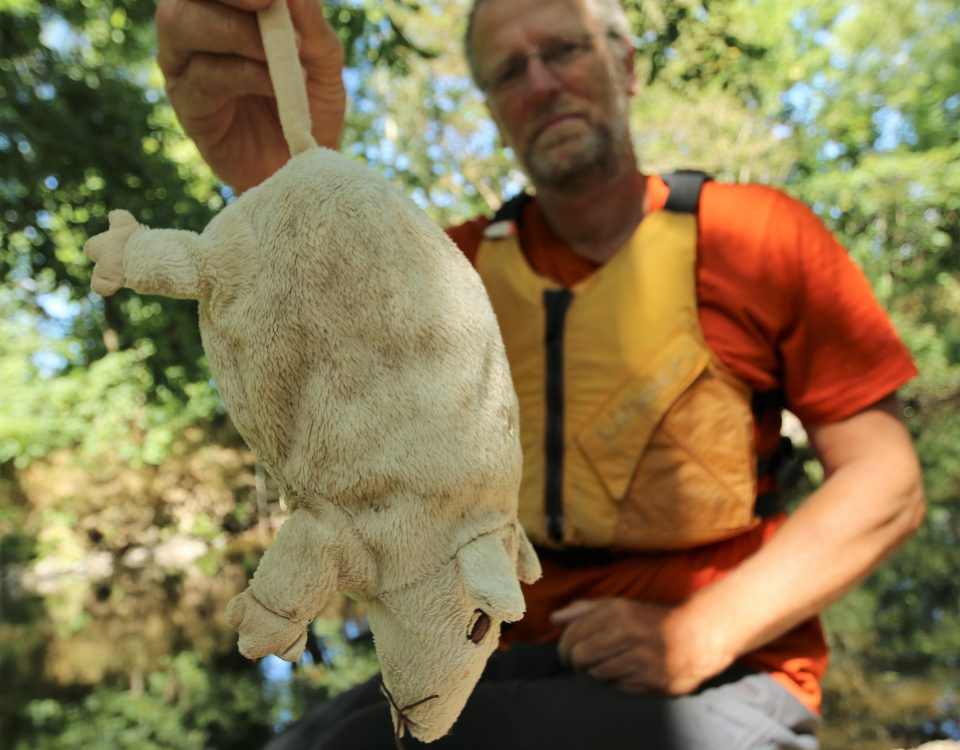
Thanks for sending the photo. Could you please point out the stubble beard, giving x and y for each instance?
(599, 155)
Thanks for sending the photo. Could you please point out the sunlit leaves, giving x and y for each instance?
(181, 707)
(112, 405)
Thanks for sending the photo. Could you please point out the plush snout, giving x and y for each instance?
(434, 636)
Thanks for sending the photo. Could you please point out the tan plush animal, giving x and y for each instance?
(359, 357)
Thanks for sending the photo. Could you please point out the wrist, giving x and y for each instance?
(710, 633)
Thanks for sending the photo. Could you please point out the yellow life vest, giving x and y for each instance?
(635, 436)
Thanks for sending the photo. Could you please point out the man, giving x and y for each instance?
(699, 629)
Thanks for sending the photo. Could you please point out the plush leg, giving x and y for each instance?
(297, 575)
(150, 261)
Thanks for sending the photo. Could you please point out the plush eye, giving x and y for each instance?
(480, 624)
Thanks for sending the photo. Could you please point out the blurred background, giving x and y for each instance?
(130, 511)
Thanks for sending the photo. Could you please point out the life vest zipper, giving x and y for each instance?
(555, 303)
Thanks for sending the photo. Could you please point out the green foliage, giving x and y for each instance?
(334, 664)
(81, 131)
(115, 404)
(880, 162)
(693, 43)
(345, 663)
(182, 707)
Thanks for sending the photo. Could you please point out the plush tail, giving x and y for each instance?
(280, 43)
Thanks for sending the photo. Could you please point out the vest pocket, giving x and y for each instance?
(682, 473)
(615, 439)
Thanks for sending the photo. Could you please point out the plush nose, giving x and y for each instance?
(402, 715)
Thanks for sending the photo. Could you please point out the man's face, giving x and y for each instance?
(557, 87)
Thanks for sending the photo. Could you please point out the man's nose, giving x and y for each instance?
(540, 78)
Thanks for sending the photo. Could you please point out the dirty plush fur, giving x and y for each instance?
(358, 355)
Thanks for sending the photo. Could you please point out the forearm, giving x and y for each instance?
(871, 502)
(864, 511)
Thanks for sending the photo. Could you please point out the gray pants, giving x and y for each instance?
(527, 699)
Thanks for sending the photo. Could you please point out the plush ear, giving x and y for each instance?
(489, 577)
(528, 565)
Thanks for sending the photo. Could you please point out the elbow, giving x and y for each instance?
(909, 510)
(914, 507)
(898, 498)
(896, 467)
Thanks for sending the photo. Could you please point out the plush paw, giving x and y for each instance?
(264, 632)
(106, 251)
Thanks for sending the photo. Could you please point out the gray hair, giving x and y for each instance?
(610, 11)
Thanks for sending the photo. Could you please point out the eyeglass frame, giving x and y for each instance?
(578, 46)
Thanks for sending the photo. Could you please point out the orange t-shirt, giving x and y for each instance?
(783, 307)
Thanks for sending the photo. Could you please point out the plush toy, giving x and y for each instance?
(359, 357)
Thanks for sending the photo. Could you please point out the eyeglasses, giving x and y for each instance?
(558, 55)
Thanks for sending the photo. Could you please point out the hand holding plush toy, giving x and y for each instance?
(359, 357)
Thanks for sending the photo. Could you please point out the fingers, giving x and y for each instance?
(610, 654)
(214, 65)
(573, 637)
(597, 630)
(209, 80)
(617, 669)
(617, 661)
(573, 610)
(590, 654)
(211, 54)
(186, 28)
(585, 644)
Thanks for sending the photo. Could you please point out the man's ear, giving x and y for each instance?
(501, 133)
(489, 576)
(624, 56)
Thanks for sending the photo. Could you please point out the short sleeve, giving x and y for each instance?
(839, 350)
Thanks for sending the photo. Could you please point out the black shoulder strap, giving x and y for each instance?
(685, 186)
(510, 211)
(764, 402)
(784, 463)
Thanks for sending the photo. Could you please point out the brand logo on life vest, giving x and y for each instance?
(646, 396)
